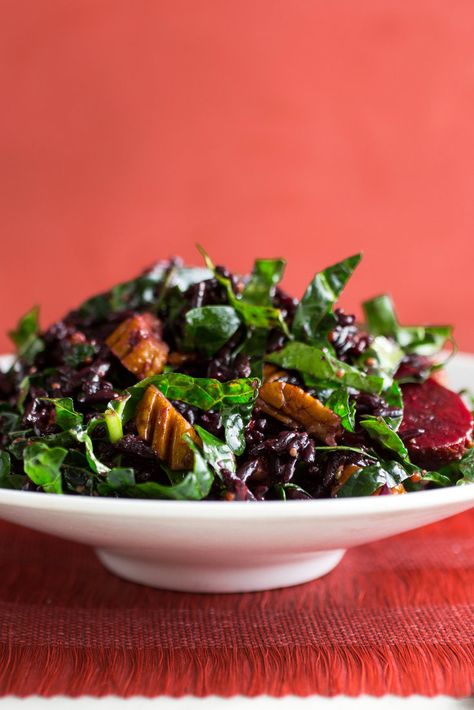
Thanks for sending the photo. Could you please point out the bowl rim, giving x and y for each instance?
(278, 509)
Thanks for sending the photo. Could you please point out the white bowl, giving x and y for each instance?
(233, 547)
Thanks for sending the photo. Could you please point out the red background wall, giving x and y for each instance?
(305, 128)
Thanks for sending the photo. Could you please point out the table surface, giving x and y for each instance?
(396, 616)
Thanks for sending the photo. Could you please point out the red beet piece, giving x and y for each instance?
(440, 422)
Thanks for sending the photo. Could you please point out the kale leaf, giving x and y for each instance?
(422, 340)
(369, 479)
(193, 485)
(322, 366)
(7, 478)
(378, 430)
(202, 392)
(26, 336)
(217, 454)
(42, 465)
(319, 299)
(208, 328)
(66, 415)
(266, 275)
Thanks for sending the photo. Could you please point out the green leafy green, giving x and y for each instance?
(341, 405)
(79, 353)
(202, 392)
(460, 472)
(208, 328)
(422, 340)
(42, 465)
(235, 418)
(282, 488)
(322, 366)
(26, 336)
(466, 468)
(387, 353)
(193, 485)
(7, 478)
(23, 392)
(432, 477)
(394, 398)
(66, 415)
(9, 418)
(253, 316)
(378, 430)
(266, 275)
(216, 453)
(83, 437)
(78, 479)
(141, 292)
(320, 297)
(366, 481)
(380, 315)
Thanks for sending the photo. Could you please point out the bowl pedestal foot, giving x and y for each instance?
(214, 575)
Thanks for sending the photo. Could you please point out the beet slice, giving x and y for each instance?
(436, 426)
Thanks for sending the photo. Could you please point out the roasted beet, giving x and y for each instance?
(436, 426)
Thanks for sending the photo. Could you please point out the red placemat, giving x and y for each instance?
(396, 616)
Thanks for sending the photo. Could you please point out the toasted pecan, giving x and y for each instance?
(298, 409)
(163, 427)
(138, 344)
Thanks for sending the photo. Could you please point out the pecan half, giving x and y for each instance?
(163, 427)
(299, 410)
(138, 344)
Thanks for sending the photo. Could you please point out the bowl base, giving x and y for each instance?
(214, 577)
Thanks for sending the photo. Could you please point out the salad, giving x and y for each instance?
(196, 384)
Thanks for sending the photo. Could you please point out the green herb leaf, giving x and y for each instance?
(117, 478)
(79, 353)
(422, 340)
(42, 465)
(394, 398)
(8, 479)
(141, 292)
(234, 419)
(66, 415)
(433, 477)
(324, 367)
(380, 316)
(282, 488)
(194, 485)
(77, 479)
(265, 317)
(208, 328)
(266, 275)
(26, 338)
(466, 467)
(366, 481)
(217, 454)
(387, 353)
(341, 405)
(458, 472)
(320, 297)
(9, 418)
(201, 392)
(23, 392)
(378, 430)
(83, 437)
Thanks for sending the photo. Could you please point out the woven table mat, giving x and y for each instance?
(396, 616)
